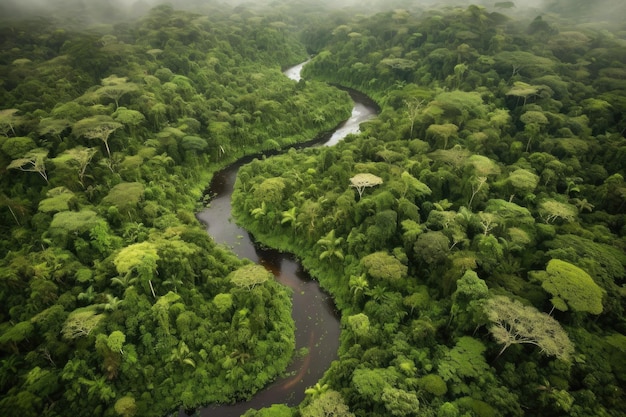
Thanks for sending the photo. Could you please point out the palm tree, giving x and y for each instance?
(239, 356)
(358, 284)
(125, 281)
(378, 293)
(317, 390)
(174, 282)
(112, 303)
(259, 212)
(290, 216)
(330, 246)
(582, 205)
(182, 354)
(87, 295)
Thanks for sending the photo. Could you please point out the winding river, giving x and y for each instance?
(316, 320)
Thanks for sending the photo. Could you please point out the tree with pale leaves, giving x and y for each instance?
(97, 127)
(514, 323)
(33, 161)
(364, 180)
(249, 276)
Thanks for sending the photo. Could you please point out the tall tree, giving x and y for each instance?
(364, 180)
(97, 127)
(79, 158)
(515, 323)
(33, 161)
(570, 287)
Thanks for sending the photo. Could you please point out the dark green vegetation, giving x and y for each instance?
(113, 300)
(473, 235)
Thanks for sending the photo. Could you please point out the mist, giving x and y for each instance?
(92, 12)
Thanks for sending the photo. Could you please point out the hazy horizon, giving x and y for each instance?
(87, 12)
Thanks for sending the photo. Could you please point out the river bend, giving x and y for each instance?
(314, 314)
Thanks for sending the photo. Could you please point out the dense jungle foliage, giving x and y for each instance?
(113, 299)
(473, 235)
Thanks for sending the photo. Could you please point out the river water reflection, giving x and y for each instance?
(317, 322)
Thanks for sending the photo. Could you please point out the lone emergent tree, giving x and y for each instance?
(361, 181)
(516, 323)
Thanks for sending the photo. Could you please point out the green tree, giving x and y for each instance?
(523, 181)
(358, 285)
(533, 123)
(53, 126)
(570, 287)
(432, 247)
(138, 259)
(97, 127)
(223, 302)
(270, 191)
(58, 199)
(73, 222)
(33, 161)
(464, 362)
(125, 196)
(442, 132)
(126, 406)
(414, 188)
(13, 335)
(316, 390)
(114, 88)
(79, 158)
(330, 246)
(552, 210)
(468, 299)
(329, 403)
(115, 341)
(8, 120)
(370, 383)
(360, 326)
(249, 276)
(129, 118)
(81, 322)
(400, 402)
(383, 267)
(17, 147)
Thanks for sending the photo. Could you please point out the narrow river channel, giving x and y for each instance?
(316, 320)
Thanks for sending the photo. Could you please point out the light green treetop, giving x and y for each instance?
(132, 257)
(58, 199)
(33, 161)
(124, 195)
(249, 276)
(81, 322)
(330, 403)
(17, 147)
(523, 180)
(384, 267)
(551, 210)
(74, 221)
(570, 287)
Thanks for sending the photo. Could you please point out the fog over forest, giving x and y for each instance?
(93, 11)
